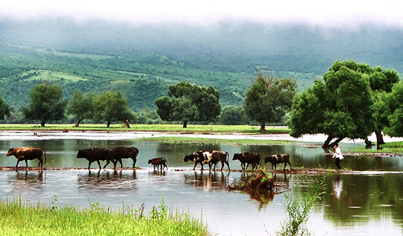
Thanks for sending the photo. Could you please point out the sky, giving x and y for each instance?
(342, 13)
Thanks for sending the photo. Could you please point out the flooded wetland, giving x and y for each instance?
(365, 201)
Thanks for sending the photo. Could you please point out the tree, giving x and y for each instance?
(46, 104)
(394, 104)
(347, 103)
(188, 102)
(112, 106)
(4, 109)
(232, 115)
(269, 99)
(81, 106)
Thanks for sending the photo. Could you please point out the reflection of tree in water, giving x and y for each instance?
(261, 186)
(208, 180)
(27, 181)
(106, 180)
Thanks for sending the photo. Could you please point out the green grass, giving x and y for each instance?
(154, 127)
(218, 141)
(22, 218)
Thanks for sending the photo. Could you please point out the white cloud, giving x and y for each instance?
(322, 13)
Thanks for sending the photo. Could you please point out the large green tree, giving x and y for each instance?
(269, 99)
(349, 102)
(112, 106)
(394, 105)
(4, 109)
(81, 106)
(187, 102)
(232, 115)
(46, 104)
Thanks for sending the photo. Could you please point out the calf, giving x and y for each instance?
(98, 154)
(279, 158)
(250, 158)
(160, 162)
(126, 152)
(196, 157)
(27, 153)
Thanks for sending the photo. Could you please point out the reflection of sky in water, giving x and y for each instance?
(205, 194)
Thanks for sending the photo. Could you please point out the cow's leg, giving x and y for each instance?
(116, 162)
(120, 161)
(107, 162)
(134, 162)
(40, 162)
(89, 164)
(285, 164)
(99, 164)
(18, 161)
(26, 163)
(229, 169)
(290, 165)
(194, 167)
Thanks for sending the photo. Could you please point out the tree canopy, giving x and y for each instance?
(4, 108)
(112, 106)
(81, 106)
(46, 104)
(347, 103)
(187, 102)
(269, 99)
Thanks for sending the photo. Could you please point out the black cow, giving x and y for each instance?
(250, 158)
(196, 157)
(98, 154)
(126, 152)
(27, 153)
(159, 162)
(279, 158)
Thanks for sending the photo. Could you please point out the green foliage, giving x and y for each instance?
(46, 104)
(4, 109)
(81, 106)
(269, 99)
(111, 106)
(348, 103)
(299, 209)
(188, 102)
(394, 103)
(232, 115)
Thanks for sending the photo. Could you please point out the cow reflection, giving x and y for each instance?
(209, 181)
(106, 180)
(27, 181)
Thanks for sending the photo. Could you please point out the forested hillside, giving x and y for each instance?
(141, 61)
(141, 78)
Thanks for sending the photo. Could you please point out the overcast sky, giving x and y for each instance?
(316, 12)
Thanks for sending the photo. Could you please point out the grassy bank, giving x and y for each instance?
(154, 127)
(21, 218)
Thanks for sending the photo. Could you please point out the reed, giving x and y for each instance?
(22, 218)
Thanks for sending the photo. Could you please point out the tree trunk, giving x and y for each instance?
(185, 124)
(379, 139)
(326, 145)
(43, 123)
(108, 124)
(262, 127)
(77, 123)
(368, 144)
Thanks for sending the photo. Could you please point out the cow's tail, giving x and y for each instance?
(45, 155)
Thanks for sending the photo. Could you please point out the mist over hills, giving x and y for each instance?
(220, 54)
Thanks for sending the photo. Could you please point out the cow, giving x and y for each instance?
(250, 158)
(98, 154)
(279, 158)
(196, 157)
(27, 153)
(126, 152)
(159, 162)
(218, 156)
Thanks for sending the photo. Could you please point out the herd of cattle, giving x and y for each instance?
(115, 155)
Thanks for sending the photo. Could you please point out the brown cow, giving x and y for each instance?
(160, 162)
(279, 158)
(196, 157)
(217, 156)
(97, 154)
(126, 152)
(251, 158)
(27, 153)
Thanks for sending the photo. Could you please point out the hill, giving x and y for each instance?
(141, 61)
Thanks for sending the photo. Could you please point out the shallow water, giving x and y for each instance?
(365, 203)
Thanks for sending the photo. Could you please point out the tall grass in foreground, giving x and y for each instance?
(23, 218)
